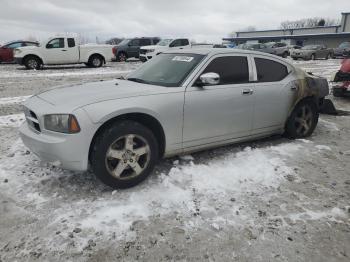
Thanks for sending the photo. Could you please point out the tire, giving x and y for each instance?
(329, 56)
(313, 57)
(95, 61)
(122, 57)
(285, 55)
(32, 63)
(303, 120)
(129, 165)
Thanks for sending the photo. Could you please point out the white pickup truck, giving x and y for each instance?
(63, 50)
(147, 52)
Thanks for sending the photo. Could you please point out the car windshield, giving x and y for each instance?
(165, 42)
(310, 47)
(344, 45)
(168, 70)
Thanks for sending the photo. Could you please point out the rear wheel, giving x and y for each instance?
(32, 62)
(122, 57)
(329, 56)
(95, 61)
(285, 55)
(313, 57)
(303, 120)
(124, 154)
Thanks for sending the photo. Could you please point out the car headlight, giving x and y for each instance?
(150, 50)
(62, 123)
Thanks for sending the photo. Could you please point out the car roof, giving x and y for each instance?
(215, 51)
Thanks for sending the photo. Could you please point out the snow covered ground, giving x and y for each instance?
(269, 200)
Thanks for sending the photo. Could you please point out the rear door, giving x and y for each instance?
(219, 113)
(274, 93)
(134, 48)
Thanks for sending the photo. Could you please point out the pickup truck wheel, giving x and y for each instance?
(32, 62)
(303, 120)
(122, 57)
(124, 154)
(96, 61)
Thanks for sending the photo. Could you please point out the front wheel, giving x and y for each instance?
(313, 57)
(32, 62)
(303, 120)
(124, 154)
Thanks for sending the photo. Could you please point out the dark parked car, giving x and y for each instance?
(342, 50)
(131, 47)
(6, 51)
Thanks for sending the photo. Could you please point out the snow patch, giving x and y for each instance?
(328, 124)
(14, 120)
(331, 215)
(323, 147)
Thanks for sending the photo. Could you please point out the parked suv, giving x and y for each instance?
(131, 47)
(6, 51)
(342, 50)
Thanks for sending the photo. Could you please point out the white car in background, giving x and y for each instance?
(61, 51)
(147, 52)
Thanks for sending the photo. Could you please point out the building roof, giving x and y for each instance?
(289, 29)
(327, 35)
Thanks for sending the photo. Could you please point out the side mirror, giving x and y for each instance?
(209, 79)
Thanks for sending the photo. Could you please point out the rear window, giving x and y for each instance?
(269, 70)
(231, 69)
(71, 42)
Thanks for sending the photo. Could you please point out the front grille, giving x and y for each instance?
(143, 51)
(32, 119)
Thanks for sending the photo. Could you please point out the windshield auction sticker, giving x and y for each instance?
(183, 58)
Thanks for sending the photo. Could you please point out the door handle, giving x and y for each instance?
(293, 88)
(64, 50)
(247, 92)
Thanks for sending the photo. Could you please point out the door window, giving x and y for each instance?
(184, 42)
(144, 42)
(71, 42)
(269, 70)
(175, 43)
(135, 42)
(56, 43)
(231, 69)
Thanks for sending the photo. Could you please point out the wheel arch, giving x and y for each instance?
(146, 120)
(97, 54)
(33, 55)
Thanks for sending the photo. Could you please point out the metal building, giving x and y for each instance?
(331, 36)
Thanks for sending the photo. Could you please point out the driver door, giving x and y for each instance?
(55, 51)
(219, 113)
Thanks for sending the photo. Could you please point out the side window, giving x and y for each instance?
(144, 42)
(30, 44)
(175, 43)
(14, 45)
(184, 42)
(156, 41)
(232, 69)
(135, 42)
(270, 71)
(71, 42)
(56, 43)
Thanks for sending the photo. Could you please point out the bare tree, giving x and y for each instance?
(309, 22)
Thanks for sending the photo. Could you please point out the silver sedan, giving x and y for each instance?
(178, 102)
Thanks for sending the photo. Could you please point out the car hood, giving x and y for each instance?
(90, 93)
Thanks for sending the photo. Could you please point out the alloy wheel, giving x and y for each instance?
(128, 156)
(32, 63)
(96, 62)
(122, 57)
(303, 120)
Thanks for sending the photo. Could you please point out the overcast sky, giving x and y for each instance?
(197, 19)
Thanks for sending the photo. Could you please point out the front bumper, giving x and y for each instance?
(145, 57)
(69, 151)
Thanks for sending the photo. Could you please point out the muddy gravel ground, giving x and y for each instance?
(269, 200)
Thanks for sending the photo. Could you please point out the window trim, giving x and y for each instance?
(255, 71)
(201, 67)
